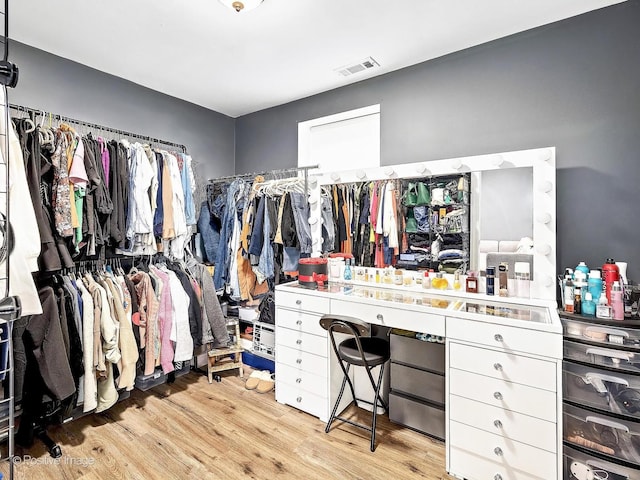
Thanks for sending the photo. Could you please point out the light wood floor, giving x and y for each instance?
(193, 430)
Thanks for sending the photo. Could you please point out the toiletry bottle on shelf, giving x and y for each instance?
(568, 294)
(503, 274)
(603, 310)
(595, 284)
(577, 298)
(347, 270)
(610, 274)
(582, 267)
(426, 280)
(617, 301)
(472, 282)
(588, 305)
(440, 282)
(456, 281)
(523, 279)
(491, 280)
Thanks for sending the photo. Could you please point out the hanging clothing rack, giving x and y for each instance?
(270, 172)
(63, 118)
(282, 171)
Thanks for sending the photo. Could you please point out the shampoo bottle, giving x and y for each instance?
(617, 302)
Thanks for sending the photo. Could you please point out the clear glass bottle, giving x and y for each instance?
(397, 277)
(348, 276)
(603, 310)
(457, 285)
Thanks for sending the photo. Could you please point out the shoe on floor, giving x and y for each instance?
(255, 378)
(266, 385)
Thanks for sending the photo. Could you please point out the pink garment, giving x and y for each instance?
(78, 172)
(165, 321)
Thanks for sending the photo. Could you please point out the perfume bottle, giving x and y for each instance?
(347, 270)
(456, 281)
(472, 283)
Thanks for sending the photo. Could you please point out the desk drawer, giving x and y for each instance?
(508, 395)
(391, 316)
(301, 399)
(302, 321)
(420, 416)
(302, 301)
(411, 351)
(497, 452)
(505, 337)
(516, 426)
(301, 341)
(412, 381)
(473, 467)
(305, 361)
(299, 379)
(505, 366)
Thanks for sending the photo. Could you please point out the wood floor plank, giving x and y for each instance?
(220, 431)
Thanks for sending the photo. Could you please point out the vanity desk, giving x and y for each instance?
(503, 368)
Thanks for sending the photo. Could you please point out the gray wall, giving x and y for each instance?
(61, 86)
(574, 85)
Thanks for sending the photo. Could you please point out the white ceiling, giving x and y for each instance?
(203, 52)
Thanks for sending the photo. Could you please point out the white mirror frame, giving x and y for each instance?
(541, 160)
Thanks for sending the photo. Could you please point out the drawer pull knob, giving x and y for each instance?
(299, 360)
(497, 395)
(299, 322)
(497, 477)
(498, 423)
(498, 337)
(497, 451)
(298, 302)
(298, 341)
(298, 380)
(497, 366)
(379, 317)
(299, 399)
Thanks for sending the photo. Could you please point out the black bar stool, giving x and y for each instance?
(362, 350)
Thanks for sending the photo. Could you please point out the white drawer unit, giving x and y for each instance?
(505, 337)
(300, 321)
(301, 352)
(302, 301)
(501, 452)
(305, 342)
(503, 401)
(395, 317)
(517, 426)
(504, 366)
(298, 378)
(300, 398)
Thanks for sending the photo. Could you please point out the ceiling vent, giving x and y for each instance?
(366, 64)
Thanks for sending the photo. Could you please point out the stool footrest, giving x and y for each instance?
(351, 422)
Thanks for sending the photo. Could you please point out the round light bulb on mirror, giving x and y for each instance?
(543, 249)
(335, 177)
(388, 171)
(421, 168)
(361, 174)
(456, 164)
(547, 280)
(545, 187)
(545, 155)
(313, 220)
(543, 218)
(313, 182)
(497, 160)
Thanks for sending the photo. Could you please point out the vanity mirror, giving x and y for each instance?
(512, 196)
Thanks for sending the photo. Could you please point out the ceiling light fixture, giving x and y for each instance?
(241, 6)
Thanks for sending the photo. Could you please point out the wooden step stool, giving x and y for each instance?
(228, 358)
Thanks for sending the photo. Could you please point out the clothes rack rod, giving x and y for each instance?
(124, 133)
(255, 174)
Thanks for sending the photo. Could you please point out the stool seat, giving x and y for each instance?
(375, 350)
